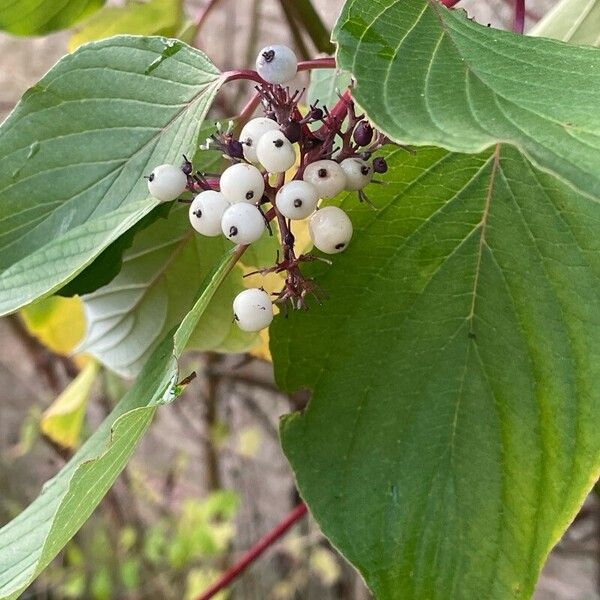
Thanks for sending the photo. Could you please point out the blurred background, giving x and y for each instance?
(209, 478)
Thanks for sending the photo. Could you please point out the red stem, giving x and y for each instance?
(305, 65)
(519, 17)
(449, 3)
(253, 553)
(199, 21)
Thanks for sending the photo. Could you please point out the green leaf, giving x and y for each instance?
(155, 289)
(75, 149)
(428, 75)
(452, 432)
(574, 21)
(63, 419)
(35, 17)
(109, 263)
(325, 85)
(156, 17)
(31, 540)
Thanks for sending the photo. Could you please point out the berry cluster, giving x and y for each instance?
(332, 149)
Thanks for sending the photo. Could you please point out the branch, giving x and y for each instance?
(295, 31)
(519, 16)
(306, 14)
(201, 18)
(253, 553)
(252, 75)
(449, 3)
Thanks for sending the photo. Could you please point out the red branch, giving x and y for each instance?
(305, 65)
(449, 3)
(253, 553)
(519, 17)
(201, 18)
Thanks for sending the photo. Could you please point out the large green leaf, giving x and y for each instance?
(127, 318)
(75, 149)
(575, 21)
(34, 17)
(30, 541)
(428, 75)
(452, 434)
(326, 85)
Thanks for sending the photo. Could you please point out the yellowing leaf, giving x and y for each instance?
(56, 321)
(248, 442)
(157, 17)
(323, 563)
(62, 420)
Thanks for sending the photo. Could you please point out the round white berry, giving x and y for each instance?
(166, 182)
(277, 64)
(253, 309)
(275, 152)
(297, 199)
(206, 212)
(330, 229)
(242, 223)
(242, 183)
(252, 131)
(327, 176)
(358, 173)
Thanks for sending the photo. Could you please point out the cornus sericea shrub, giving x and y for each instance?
(448, 180)
(268, 148)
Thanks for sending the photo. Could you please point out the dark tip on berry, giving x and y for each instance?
(322, 173)
(233, 231)
(198, 213)
(150, 177)
(339, 246)
(249, 195)
(297, 203)
(365, 169)
(269, 55)
(277, 143)
(235, 317)
(380, 165)
(247, 141)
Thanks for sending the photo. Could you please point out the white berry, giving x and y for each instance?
(275, 152)
(253, 310)
(297, 199)
(330, 229)
(206, 212)
(242, 183)
(166, 182)
(277, 64)
(358, 173)
(327, 176)
(242, 223)
(251, 133)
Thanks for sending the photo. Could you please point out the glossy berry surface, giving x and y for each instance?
(277, 64)
(327, 176)
(358, 173)
(251, 134)
(242, 223)
(275, 152)
(242, 183)
(297, 199)
(167, 182)
(253, 310)
(206, 212)
(330, 229)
